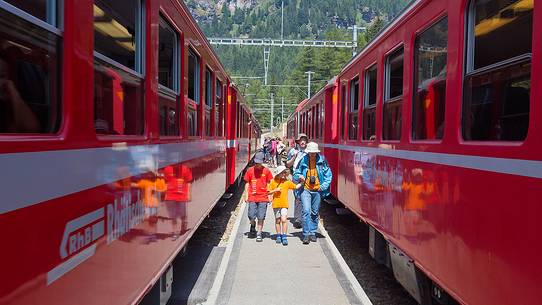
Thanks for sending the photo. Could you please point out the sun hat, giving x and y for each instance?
(280, 169)
(258, 158)
(301, 135)
(312, 148)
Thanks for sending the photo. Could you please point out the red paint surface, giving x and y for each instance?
(121, 271)
(474, 232)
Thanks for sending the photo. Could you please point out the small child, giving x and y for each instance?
(278, 190)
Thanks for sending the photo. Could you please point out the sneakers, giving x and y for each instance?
(259, 237)
(312, 238)
(306, 240)
(284, 240)
(279, 239)
(252, 231)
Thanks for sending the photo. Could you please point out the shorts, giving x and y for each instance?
(257, 210)
(280, 212)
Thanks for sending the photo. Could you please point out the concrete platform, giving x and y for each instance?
(269, 273)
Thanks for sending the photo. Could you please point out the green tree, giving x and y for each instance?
(374, 29)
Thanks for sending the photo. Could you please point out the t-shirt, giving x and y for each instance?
(312, 172)
(298, 157)
(178, 188)
(280, 199)
(258, 180)
(273, 147)
(150, 191)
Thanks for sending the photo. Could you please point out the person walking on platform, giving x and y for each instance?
(257, 178)
(278, 191)
(280, 150)
(273, 152)
(315, 174)
(295, 155)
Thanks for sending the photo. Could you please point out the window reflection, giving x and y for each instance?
(117, 31)
(167, 56)
(41, 9)
(118, 101)
(169, 116)
(193, 77)
(496, 102)
(192, 121)
(497, 21)
(369, 111)
(29, 73)
(354, 106)
(430, 96)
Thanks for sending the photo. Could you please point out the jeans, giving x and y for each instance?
(298, 206)
(311, 208)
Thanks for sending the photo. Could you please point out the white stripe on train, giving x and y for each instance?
(519, 167)
(30, 178)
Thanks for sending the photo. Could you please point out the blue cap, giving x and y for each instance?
(258, 158)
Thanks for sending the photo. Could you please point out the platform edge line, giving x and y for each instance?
(356, 287)
(221, 273)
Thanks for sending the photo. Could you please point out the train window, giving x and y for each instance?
(29, 74)
(393, 96)
(311, 123)
(118, 31)
(322, 119)
(168, 79)
(343, 113)
(318, 122)
(498, 80)
(193, 76)
(168, 55)
(118, 101)
(238, 118)
(315, 121)
(354, 107)
(369, 109)
(431, 50)
(43, 10)
(219, 113)
(169, 116)
(208, 100)
(118, 83)
(192, 120)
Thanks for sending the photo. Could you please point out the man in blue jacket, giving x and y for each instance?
(315, 174)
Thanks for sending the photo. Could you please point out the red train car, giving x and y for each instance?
(116, 118)
(435, 145)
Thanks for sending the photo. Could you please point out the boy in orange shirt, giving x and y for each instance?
(278, 193)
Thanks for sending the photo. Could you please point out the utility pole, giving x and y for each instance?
(282, 114)
(266, 52)
(355, 38)
(282, 26)
(355, 30)
(272, 110)
(310, 73)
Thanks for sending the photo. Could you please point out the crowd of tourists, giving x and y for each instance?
(301, 169)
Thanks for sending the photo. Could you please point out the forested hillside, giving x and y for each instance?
(303, 19)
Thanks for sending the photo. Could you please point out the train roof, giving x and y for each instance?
(199, 32)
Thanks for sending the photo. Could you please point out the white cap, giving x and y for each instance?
(312, 148)
(280, 169)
